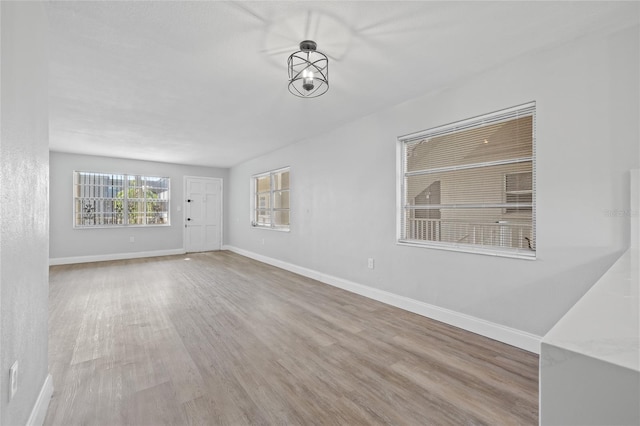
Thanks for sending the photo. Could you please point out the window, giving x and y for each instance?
(271, 200)
(518, 189)
(470, 185)
(103, 200)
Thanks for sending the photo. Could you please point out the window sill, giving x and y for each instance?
(495, 252)
(268, 228)
(122, 226)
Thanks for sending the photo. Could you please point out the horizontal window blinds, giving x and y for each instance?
(471, 184)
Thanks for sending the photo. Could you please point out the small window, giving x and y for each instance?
(518, 190)
(105, 200)
(271, 200)
(469, 186)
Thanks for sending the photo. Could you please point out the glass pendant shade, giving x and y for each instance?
(308, 71)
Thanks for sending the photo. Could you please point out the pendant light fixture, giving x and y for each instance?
(308, 71)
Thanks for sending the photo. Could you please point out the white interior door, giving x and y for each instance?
(203, 214)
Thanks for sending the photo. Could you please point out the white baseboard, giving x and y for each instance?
(39, 411)
(116, 256)
(511, 336)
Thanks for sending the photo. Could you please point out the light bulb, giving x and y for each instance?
(307, 80)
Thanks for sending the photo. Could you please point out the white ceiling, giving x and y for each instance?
(205, 83)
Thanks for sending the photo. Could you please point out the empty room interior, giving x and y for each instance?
(320, 212)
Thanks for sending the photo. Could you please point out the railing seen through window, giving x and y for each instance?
(470, 185)
(105, 199)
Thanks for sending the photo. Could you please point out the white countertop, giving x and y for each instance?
(605, 323)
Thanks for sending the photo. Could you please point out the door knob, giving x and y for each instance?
(188, 218)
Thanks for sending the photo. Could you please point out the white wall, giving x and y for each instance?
(69, 244)
(24, 210)
(343, 188)
(634, 211)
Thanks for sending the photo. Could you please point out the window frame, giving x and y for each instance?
(462, 125)
(272, 209)
(126, 177)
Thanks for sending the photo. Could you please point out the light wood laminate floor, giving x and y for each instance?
(217, 338)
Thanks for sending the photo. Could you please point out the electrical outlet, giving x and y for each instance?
(13, 379)
(370, 263)
(132, 239)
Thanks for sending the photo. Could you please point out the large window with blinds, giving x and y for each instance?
(470, 185)
(106, 200)
(271, 208)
